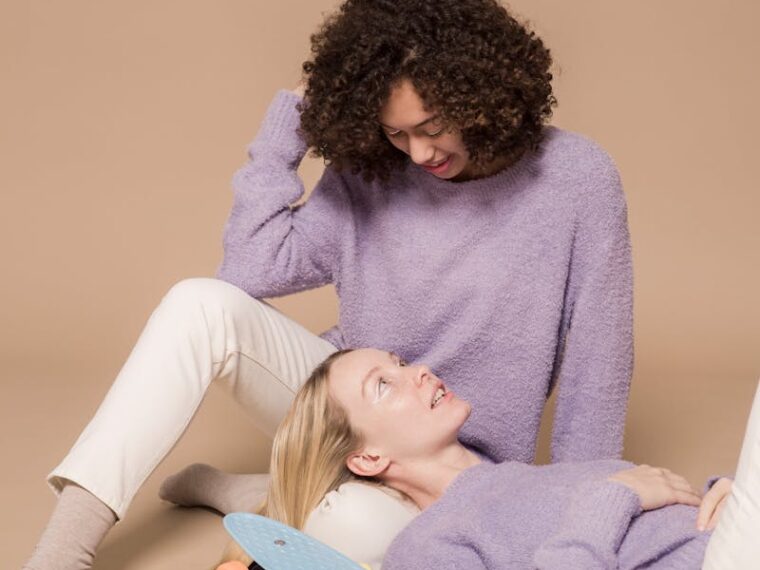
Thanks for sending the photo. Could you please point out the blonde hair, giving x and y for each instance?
(309, 454)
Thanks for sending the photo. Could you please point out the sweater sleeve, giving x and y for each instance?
(270, 247)
(419, 551)
(596, 363)
(592, 528)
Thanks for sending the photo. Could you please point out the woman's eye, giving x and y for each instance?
(402, 362)
(397, 134)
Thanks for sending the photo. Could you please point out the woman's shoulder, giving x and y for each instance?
(576, 152)
(573, 144)
(578, 161)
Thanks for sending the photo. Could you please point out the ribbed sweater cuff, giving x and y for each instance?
(602, 511)
(277, 133)
(689, 554)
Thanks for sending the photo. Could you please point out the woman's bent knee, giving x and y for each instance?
(208, 291)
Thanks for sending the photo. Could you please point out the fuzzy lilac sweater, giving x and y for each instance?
(503, 285)
(564, 516)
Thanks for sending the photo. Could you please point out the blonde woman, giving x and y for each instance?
(367, 415)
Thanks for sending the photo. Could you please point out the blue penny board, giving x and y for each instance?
(277, 546)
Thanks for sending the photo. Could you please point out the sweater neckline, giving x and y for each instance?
(465, 475)
(528, 163)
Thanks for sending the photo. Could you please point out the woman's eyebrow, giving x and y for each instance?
(415, 126)
(374, 369)
(366, 378)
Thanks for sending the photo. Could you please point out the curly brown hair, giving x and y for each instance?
(485, 73)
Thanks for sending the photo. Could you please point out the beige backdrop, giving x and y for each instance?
(121, 124)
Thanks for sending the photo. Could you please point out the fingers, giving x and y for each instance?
(707, 508)
(704, 516)
(657, 487)
(679, 482)
(678, 488)
(716, 516)
(686, 498)
(299, 89)
(713, 503)
(681, 490)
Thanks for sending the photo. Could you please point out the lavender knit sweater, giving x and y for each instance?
(501, 284)
(564, 516)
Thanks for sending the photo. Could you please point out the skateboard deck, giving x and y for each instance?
(276, 546)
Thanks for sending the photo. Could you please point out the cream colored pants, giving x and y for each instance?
(735, 542)
(207, 330)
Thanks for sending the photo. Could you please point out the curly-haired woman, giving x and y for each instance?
(459, 229)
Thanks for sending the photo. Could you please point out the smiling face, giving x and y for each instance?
(397, 407)
(421, 135)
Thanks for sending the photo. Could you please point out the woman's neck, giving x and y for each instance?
(426, 479)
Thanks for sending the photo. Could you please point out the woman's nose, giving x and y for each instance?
(422, 374)
(420, 151)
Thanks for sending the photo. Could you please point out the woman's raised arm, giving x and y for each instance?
(270, 248)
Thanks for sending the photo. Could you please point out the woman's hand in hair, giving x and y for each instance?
(713, 503)
(300, 89)
(657, 487)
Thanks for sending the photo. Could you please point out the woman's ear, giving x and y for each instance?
(367, 463)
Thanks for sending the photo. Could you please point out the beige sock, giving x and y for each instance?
(78, 524)
(200, 485)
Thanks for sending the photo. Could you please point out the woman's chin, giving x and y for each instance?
(465, 407)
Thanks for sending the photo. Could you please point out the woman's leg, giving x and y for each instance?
(201, 485)
(735, 542)
(203, 329)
